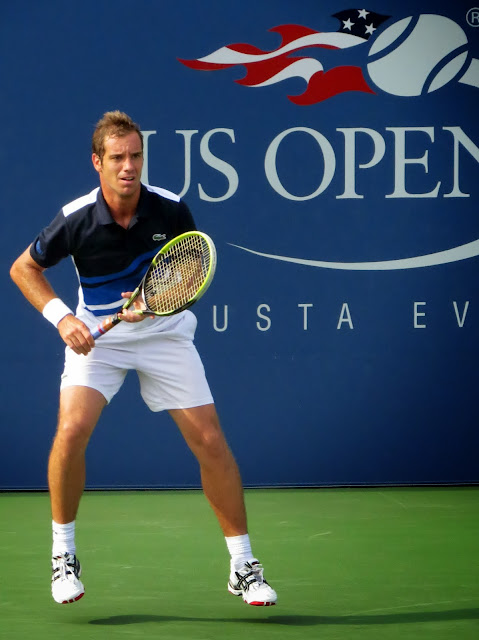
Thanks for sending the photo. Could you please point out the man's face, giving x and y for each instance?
(120, 168)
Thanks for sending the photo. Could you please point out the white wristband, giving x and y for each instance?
(55, 310)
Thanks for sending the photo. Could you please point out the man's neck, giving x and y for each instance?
(122, 209)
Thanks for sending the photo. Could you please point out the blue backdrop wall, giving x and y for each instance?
(333, 155)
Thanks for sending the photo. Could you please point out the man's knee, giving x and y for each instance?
(214, 442)
(202, 431)
(80, 409)
(211, 444)
(73, 434)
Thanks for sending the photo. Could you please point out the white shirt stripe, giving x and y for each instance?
(71, 207)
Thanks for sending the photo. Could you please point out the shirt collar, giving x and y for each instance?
(142, 208)
(104, 215)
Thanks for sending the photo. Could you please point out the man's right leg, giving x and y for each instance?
(80, 409)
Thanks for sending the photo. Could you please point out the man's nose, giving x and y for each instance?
(128, 163)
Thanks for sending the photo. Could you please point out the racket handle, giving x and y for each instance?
(105, 326)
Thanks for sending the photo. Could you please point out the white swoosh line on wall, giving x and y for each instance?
(301, 69)
(463, 252)
(225, 55)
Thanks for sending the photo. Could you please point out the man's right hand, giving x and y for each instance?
(76, 335)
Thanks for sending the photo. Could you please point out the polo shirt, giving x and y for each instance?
(108, 258)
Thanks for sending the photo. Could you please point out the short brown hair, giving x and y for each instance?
(114, 124)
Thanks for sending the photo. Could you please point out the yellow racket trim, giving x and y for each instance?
(179, 274)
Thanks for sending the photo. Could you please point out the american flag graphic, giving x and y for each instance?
(264, 68)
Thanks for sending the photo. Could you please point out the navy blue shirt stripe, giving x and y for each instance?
(135, 267)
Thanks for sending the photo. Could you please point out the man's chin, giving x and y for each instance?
(128, 190)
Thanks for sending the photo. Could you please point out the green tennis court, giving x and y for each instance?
(347, 563)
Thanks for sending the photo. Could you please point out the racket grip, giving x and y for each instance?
(105, 326)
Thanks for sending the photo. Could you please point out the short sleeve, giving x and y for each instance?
(52, 243)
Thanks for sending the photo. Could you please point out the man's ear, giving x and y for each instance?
(96, 160)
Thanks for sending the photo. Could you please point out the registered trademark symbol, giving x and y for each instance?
(472, 17)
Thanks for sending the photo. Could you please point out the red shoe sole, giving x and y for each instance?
(74, 599)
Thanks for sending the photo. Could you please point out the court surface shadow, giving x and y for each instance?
(406, 617)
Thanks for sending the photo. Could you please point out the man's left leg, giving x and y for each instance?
(223, 489)
(220, 476)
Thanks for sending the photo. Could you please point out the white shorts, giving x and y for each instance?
(160, 350)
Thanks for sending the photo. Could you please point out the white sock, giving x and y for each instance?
(240, 550)
(63, 538)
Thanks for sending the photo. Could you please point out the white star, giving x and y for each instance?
(347, 24)
(370, 29)
(362, 13)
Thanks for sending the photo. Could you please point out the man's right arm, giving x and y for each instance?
(29, 278)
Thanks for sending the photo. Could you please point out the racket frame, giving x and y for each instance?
(115, 319)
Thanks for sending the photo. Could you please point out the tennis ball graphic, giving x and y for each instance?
(423, 62)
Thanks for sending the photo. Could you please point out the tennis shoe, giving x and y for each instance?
(248, 581)
(66, 584)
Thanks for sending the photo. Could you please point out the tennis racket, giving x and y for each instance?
(177, 277)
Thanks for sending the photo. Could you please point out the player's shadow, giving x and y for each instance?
(405, 617)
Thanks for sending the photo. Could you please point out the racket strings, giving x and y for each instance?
(178, 276)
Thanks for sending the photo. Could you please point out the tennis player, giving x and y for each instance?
(112, 235)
